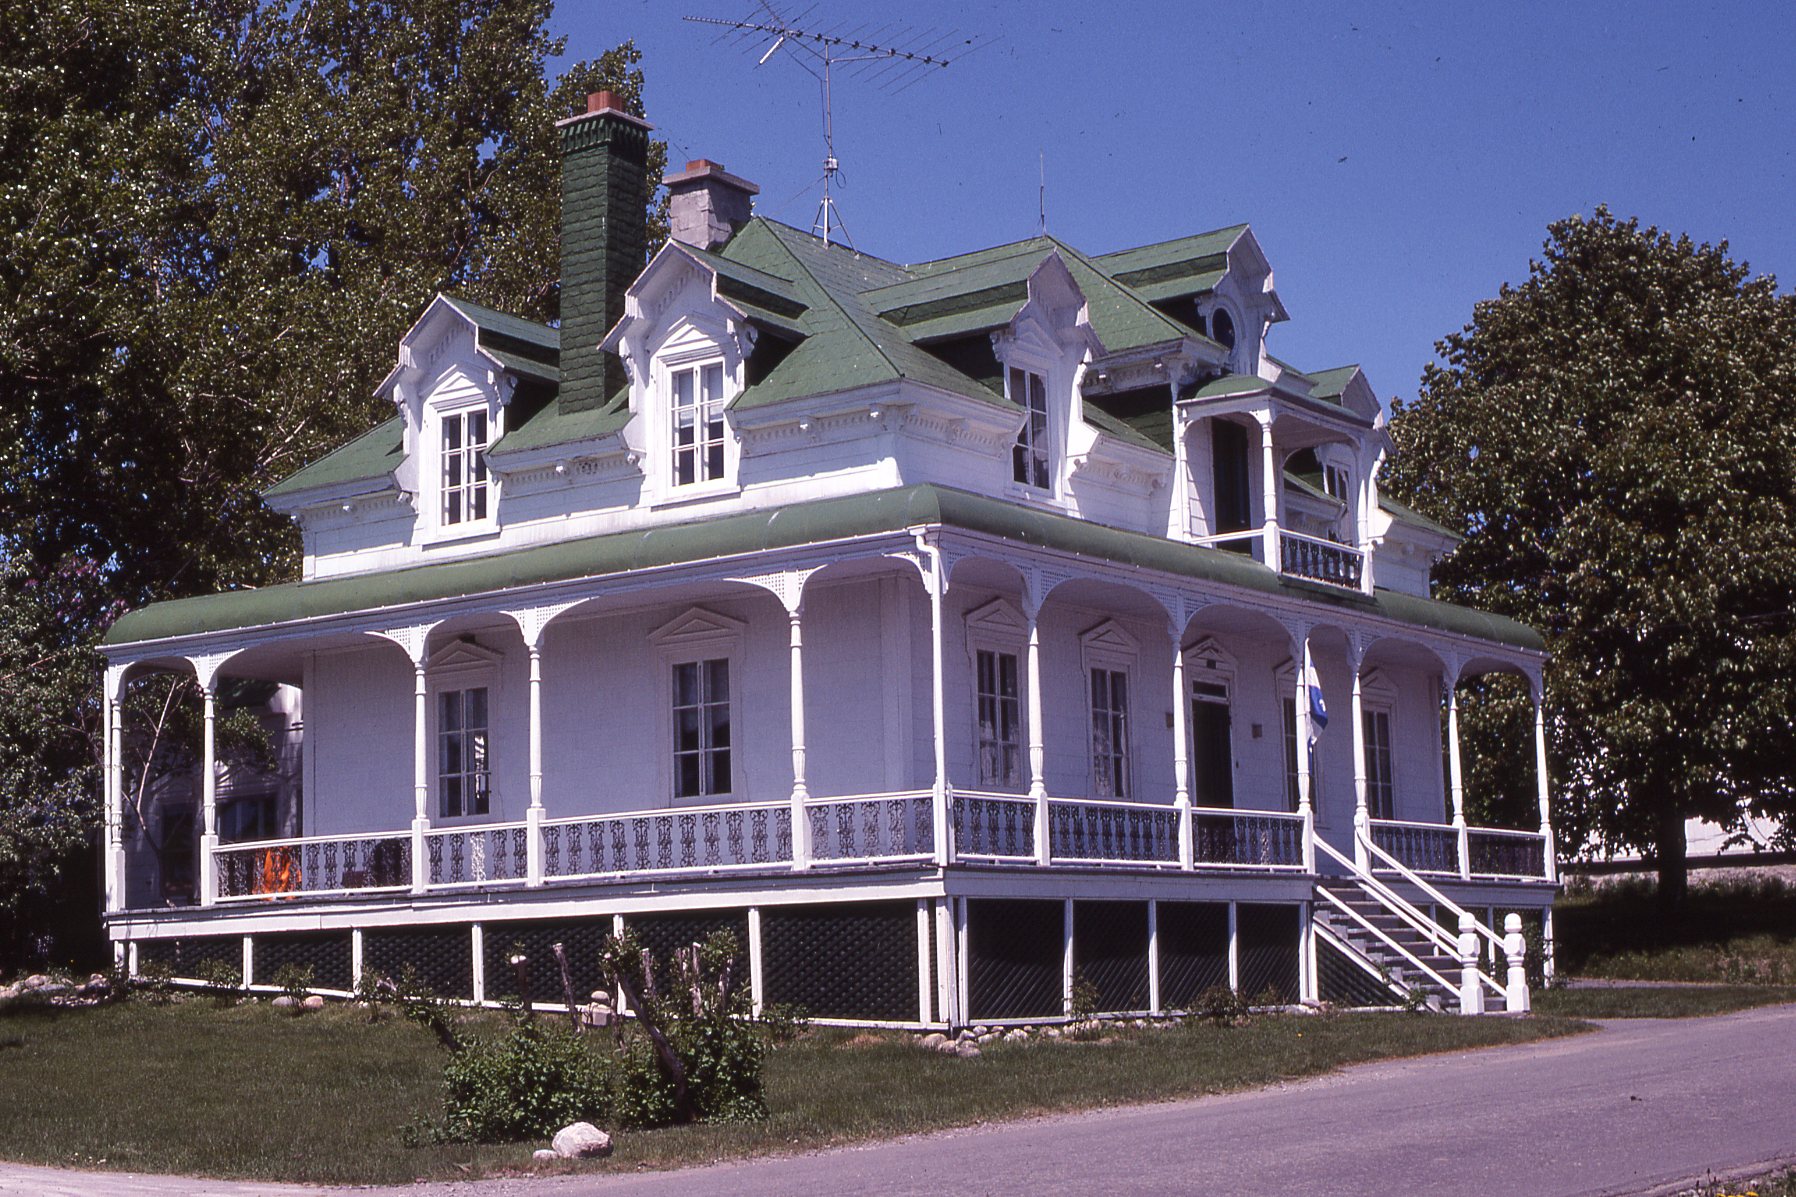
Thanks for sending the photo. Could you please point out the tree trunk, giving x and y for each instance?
(1674, 866)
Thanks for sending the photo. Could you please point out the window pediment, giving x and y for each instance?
(999, 619)
(697, 628)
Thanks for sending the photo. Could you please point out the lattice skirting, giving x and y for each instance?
(1015, 955)
(843, 961)
(1345, 983)
(442, 957)
(1266, 949)
(580, 940)
(328, 953)
(1110, 948)
(187, 958)
(1194, 950)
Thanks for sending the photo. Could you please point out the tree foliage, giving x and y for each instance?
(217, 217)
(1616, 439)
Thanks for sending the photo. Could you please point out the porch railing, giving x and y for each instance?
(314, 867)
(851, 830)
(1319, 560)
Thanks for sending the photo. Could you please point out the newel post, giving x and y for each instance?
(1471, 996)
(1515, 950)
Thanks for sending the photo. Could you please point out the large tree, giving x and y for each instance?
(216, 219)
(1615, 437)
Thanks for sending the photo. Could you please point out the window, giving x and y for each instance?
(464, 467)
(999, 713)
(1029, 458)
(464, 771)
(1379, 797)
(1336, 483)
(697, 423)
(1212, 747)
(1110, 733)
(1222, 329)
(701, 728)
(251, 817)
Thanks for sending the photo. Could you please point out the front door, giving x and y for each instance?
(1212, 755)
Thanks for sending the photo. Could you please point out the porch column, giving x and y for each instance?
(1038, 752)
(111, 710)
(420, 770)
(1362, 821)
(943, 793)
(1270, 485)
(801, 825)
(209, 794)
(1300, 722)
(1181, 752)
(1536, 692)
(1456, 775)
(533, 814)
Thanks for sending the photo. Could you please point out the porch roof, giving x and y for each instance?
(791, 526)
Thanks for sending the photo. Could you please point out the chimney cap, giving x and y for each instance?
(704, 169)
(605, 103)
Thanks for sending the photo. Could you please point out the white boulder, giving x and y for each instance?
(581, 1141)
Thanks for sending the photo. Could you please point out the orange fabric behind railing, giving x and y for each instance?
(280, 871)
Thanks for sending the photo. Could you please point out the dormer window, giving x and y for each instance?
(1335, 482)
(1029, 457)
(698, 400)
(464, 467)
(1222, 329)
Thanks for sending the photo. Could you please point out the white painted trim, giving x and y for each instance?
(757, 990)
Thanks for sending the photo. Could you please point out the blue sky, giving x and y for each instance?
(1398, 162)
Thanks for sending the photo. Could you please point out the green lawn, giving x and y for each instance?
(251, 1092)
(1657, 1001)
(1742, 932)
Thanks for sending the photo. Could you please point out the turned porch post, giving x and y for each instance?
(209, 795)
(1537, 693)
(1300, 722)
(1038, 751)
(1362, 821)
(1270, 479)
(1181, 752)
(533, 814)
(801, 825)
(943, 793)
(112, 710)
(1456, 774)
(420, 769)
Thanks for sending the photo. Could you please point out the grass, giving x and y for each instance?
(1741, 931)
(250, 1092)
(1657, 1001)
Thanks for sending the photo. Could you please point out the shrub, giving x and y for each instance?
(222, 981)
(525, 1084)
(294, 981)
(783, 1022)
(155, 982)
(1221, 1006)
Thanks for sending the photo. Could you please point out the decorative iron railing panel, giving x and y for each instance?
(1113, 833)
(1246, 839)
(1497, 853)
(871, 827)
(993, 827)
(1424, 847)
(494, 854)
(1321, 560)
(314, 867)
(691, 839)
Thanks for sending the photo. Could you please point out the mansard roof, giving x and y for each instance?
(795, 525)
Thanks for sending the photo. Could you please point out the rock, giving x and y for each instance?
(582, 1141)
(988, 1036)
(967, 1035)
(286, 1002)
(949, 1047)
(53, 989)
(34, 981)
(1052, 1032)
(967, 1050)
(313, 1002)
(1017, 1036)
(545, 1155)
(932, 1041)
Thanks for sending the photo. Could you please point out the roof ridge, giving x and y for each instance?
(1021, 241)
(847, 316)
(1227, 228)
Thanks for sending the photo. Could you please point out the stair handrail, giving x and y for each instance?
(1402, 951)
(1400, 906)
(1411, 876)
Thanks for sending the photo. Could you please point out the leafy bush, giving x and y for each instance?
(526, 1084)
(1221, 1006)
(221, 979)
(783, 1022)
(155, 982)
(294, 981)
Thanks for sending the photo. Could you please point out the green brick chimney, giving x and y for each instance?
(604, 195)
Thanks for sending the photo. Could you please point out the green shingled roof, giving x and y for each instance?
(371, 457)
(1330, 384)
(785, 527)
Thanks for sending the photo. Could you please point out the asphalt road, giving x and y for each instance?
(1638, 1107)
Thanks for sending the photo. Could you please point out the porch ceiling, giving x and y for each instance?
(815, 523)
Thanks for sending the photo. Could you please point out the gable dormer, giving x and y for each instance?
(1041, 353)
(1241, 306)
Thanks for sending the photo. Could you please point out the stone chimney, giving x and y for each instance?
(604, 201)
(706, 204)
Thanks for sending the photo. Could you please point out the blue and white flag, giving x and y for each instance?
(1318, 708)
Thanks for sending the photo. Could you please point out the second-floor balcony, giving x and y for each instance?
(1299, 556)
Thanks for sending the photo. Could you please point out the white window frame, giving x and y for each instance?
(694, 637)
(697, 392)
(470, 492)
(690, 345)
(1208, 663)
(1378, 702)
(1111, 648)
(461, 666)
(999, 627)
(1032, 448)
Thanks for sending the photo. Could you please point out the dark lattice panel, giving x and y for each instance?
(842, 961)
(187, 958)
(327, 952)
(1345, 983)
(1267, 940)
(661, 934)
(1110, 951)
(1194, 950)
(443, 957)
(580, 940)
(1015, 954)
(935, 977)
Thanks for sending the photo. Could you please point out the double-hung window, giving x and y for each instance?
(1110, 732)
(1379, 790)
(1291, 788)
(464, 467)
(1029, 457)
(464, 770)
(999, 712)
(701, 728)
(697, 410)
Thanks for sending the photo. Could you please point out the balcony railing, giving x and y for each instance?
(1319, 560)
(863, 830)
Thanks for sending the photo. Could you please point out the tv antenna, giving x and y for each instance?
(889, 54)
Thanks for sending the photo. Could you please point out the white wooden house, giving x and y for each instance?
(943, 628)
